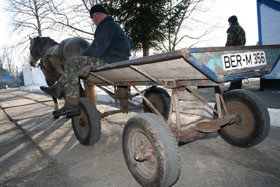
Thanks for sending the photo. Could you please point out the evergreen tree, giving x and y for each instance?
(144, 21)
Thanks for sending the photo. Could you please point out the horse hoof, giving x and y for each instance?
(55, 117)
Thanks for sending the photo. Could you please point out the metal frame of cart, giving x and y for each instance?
(150, 141)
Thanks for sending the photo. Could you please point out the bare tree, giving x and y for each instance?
(30, 17)
(40, 17)
(9, 57)
(71, 17)
(2, 61)
(6, 59)
(180, 19)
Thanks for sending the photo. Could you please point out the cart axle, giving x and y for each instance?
(188, 133)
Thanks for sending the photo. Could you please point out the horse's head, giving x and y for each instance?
(38, 47)
(35, 50)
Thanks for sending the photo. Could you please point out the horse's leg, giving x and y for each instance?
(50, 81)
(51, 74)
(56, 106)
(56, 103)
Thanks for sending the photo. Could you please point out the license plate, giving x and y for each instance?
(243, 60)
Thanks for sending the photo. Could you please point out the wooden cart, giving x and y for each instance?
(150, 139)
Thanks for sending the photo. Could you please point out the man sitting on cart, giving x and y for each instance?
(110, 45)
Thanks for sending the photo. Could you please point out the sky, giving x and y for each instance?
(217, 13)
(5, 31)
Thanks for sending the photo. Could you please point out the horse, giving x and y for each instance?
(52, 56)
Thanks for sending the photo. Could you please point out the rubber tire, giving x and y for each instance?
(90, 117)
(164, 144)
(259, 114)
(162, 98)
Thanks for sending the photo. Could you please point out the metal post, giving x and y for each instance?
(177, 110)
(148, 103)
(18, 81)
(218, 101)
(171, 107)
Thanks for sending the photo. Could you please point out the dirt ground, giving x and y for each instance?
(37, 150)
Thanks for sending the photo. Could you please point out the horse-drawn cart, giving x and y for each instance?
(150, 139)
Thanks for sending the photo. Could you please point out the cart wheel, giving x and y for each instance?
(160, 100)
(254, 122)
(86, 126)
(151, 151)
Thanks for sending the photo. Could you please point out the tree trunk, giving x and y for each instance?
(145, 49)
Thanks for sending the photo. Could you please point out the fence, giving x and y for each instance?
(10, 78)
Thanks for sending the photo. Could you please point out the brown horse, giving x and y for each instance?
(52, 56)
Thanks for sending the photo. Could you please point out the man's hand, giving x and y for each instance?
(84, 72)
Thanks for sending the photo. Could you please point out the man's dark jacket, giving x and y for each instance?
(235, 35)
(110, 42)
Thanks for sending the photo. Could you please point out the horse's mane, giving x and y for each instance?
(48, 40)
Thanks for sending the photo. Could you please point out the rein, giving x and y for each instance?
(41, 64)
(44, 59)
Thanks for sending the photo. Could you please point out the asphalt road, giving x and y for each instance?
(37, 150)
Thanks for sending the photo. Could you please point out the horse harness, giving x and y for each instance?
(59, 56)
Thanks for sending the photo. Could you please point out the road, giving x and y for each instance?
(37, 150)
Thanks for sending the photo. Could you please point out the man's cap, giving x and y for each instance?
(232, 19)
(97, 8)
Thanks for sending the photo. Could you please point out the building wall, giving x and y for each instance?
(33, 76)
(269, 28)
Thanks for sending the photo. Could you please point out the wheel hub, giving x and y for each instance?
(143, 154)
(244, 125)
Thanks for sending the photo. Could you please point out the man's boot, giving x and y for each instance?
(55, 90)
(70, 108)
